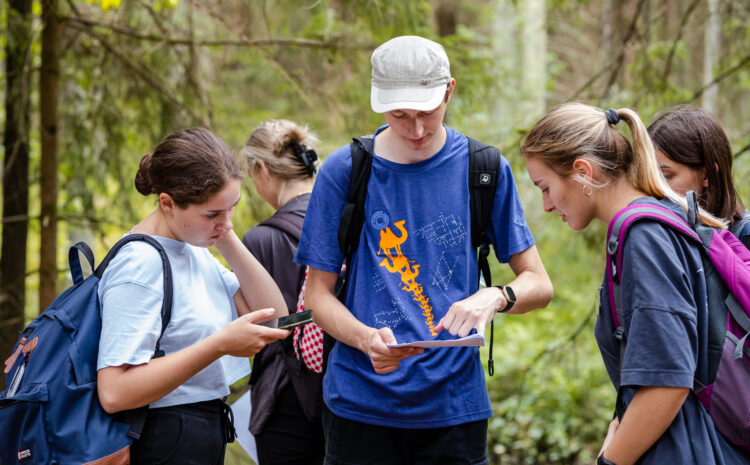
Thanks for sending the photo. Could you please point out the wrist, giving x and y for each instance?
(230, 247)
(213, 346)
(367, 342)
(510, 298)
(602, 461)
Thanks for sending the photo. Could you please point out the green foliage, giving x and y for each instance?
(132, 72)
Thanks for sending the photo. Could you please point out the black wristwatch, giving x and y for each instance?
(510, 297)
(602, 461)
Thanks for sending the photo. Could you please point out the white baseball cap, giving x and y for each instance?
(409, 73)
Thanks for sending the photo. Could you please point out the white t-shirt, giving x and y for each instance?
(131, 293)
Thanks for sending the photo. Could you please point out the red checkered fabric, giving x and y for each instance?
(311, 344)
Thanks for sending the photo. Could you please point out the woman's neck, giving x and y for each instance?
(291, 189)
(154, 224)
(613, 198)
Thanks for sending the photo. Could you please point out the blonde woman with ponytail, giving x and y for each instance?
(588, 170)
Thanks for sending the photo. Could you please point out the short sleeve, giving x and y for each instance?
(508, 232)
(658, 307)
(131, 296)
(230, 279)
(318, 245)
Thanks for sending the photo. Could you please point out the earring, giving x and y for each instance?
(585, 192)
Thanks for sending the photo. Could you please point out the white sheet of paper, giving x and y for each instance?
(472, 340)
(241, 409)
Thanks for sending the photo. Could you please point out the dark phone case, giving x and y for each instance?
(295, 319)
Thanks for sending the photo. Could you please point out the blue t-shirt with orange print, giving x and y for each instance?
(414, 260)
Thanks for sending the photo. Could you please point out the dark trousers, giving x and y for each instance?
(190, 434)
(353, 443)
(288, 438)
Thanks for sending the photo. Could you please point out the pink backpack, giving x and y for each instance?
(726, 262)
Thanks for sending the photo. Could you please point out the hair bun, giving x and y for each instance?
(308, 157)
(143, 176)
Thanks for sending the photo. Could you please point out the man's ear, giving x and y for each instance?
(166, 203)
(449, 91)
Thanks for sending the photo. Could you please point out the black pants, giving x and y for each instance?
(353, 443)
(190, 434)
(288, 438)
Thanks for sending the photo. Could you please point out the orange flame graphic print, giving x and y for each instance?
(396, 262)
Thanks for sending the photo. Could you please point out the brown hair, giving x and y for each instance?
(694, 137)
(190, 165)
(272, 141)
(575, 131)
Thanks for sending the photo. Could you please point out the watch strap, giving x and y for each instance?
(602, 461)
(509, 302)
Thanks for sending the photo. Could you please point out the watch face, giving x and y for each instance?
(509, 293)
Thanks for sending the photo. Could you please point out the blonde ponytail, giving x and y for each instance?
(575, 131)
(644, 172)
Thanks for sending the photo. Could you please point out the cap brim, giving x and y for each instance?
(420, 99)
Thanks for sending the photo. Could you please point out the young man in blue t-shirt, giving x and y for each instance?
(413, 277)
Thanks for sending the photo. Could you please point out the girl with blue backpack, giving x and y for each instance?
(587, 170)
(215, 313)
(694, 154)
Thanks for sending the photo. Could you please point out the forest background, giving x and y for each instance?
(93, 85)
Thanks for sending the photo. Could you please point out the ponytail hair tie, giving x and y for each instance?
(612, 116)
(308, 157)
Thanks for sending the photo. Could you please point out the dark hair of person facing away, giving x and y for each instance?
(575, 131)
(280, 144)
(693, 137)
(190, 165)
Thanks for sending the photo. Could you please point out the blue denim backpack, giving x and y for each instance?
(50, 412)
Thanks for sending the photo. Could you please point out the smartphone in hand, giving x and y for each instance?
(295, 319)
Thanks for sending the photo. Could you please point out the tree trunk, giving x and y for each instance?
(48, 105)
(445, 17)
(534, 43)
(505, 55)
(15, 174)
(608, 30)
(711, 56)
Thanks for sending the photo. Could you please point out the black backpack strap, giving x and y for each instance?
(353, 213)
(136, 418)
(352, 220)
(289, 223)
(484, 169)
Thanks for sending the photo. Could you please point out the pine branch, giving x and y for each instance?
(296, 84)
(141, 70)
(745, 62)
(672, 50)
(244, 42)
(742, 151)
(620, 61)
